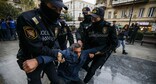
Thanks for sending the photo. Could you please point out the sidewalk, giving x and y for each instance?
(138, 67)
(146, 51)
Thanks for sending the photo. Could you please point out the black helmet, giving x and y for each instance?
(85, 10)
(98, 11)
(57, 3)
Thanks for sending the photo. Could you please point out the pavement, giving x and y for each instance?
(137, 67)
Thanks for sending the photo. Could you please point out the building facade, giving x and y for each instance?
(140, 11)
(75, 8)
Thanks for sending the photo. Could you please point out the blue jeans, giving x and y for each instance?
(122, 42)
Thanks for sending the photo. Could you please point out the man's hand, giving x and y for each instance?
(91, 55)
(30, 65)
(80, 42)
(59, 58)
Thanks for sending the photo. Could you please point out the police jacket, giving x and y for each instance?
(65, 34)
(70, 68)
(3, 25)
(121, 35)
(12, 24)
(102, 34)
(36, 36)
(81, 33)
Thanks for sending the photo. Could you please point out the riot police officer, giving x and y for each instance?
(12, 26)
(81, 32)
(65, 34)
(38, 31)
(100, 33)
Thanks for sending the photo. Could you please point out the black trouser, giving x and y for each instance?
(13, 33)
(132, 38)
(6, 34)
(98, 61)
(72, 81)
(50, 69)
(76, 82)
(1, 35)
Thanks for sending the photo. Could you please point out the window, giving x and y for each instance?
(109, 15)
(123, 15)
(80, 5)
(151, 11)
(115, 14)
(141, 12)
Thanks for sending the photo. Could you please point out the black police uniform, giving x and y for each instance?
(81, 33)
(82, 30)
(65, 35)
(38, 38)
(100, 34)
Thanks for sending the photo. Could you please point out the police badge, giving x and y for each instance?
(104, 30)
(30, 32)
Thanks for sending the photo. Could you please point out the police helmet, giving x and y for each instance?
(57, 3)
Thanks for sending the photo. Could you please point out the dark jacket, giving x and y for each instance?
(81, 33)
(122, 35)
(65, 35)
(36, 36)
(102, 34)
(70, 68)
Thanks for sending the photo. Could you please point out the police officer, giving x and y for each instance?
(38, 31)
(81, 32)
(5, 30)
(65, 34)
(100, 33)
(12, 26)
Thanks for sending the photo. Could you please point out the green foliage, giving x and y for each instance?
(7, 10)
(139, 36)
(67, 17)
(26, 4)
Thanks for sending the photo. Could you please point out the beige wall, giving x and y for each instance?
(135, 17)
(78, 5)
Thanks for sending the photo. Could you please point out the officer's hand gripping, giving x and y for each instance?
(60, 58)
(91, 55)
(30, 65)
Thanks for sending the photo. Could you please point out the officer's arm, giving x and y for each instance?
(69, 35)
(94, 50)
(78, 32)
(30, 40)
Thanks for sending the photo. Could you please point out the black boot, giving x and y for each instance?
(124, 52)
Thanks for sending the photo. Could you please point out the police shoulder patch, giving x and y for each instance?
(30, 32)
(104, 30)
(35, 20)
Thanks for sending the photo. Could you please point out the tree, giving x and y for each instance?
(26, 4)
(67, 17)
(8, 10)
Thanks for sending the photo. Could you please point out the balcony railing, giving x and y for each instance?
(16, 1)
(126, 2)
